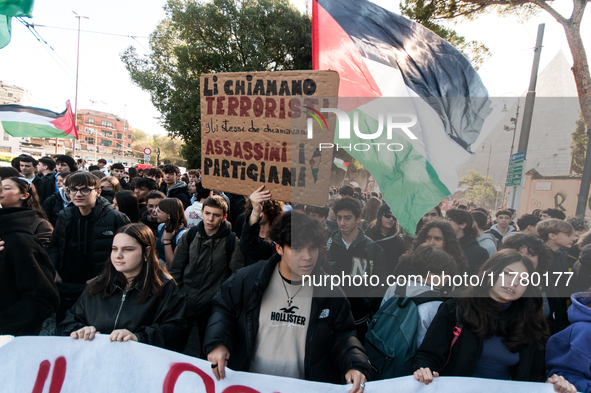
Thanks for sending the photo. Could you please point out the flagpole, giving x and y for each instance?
(79, 17)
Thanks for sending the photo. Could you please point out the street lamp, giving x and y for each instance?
(487, 167)
(79, 17)
(513, 120)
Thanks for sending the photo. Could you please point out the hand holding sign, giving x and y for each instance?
(87, 333)
(257, 198)
(122, 335)
(358, 379)
(218, 358)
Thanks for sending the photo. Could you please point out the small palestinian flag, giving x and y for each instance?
(26, 121)
(390, 65)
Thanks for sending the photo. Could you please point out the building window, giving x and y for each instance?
(119, 136)
(89, 130)
(107, 133)
(6, 137)
(105, 142)
(89, 140)
(129, 145)
(118, 145)
(91, 120)
(106, 123)
(129, 136)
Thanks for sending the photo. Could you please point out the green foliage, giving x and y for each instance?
(192, 154)
(217, 36)
(579, 146)
(425, 12)
(482, 187)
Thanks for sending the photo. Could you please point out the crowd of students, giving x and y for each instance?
(159, 259)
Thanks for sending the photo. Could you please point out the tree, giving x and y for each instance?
(482, 188)
(421, 12)
(434, 10)
(579, 146)
(218, 36)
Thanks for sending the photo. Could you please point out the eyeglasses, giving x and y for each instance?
(388, 215)
(84, 191)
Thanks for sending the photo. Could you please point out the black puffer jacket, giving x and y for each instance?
(474, 254)
(434, 351)
(27, 293)
(252, 246)
(157, 321)
(179, 191)
(52, 207)
(331, 346)
(581, 281)
(106, 221)
(45, 185)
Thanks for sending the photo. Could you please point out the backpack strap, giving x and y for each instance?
(191, 235)
(457, 331)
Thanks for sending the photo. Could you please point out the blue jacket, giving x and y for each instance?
(569, 351)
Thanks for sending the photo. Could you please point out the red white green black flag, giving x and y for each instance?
(26, 121)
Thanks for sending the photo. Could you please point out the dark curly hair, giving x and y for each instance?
(296, 229)
(451, 245)
(460, 217)
(535, 246)
(522, 324)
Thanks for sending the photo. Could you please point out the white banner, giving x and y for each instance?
(65, 365)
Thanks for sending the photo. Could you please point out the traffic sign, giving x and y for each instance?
(513, 182)
(517, 156)
(147, 151)
(146, 158)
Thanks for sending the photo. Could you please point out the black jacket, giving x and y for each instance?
(474, 254)
(434, 351)
(27, 293)
(331, 346)
(581, 281)
(363, 257)
(252, 246)
(179, 191)
(106, 221)
(393, 246)
(52, 206)
(45, 185)
(157, 321)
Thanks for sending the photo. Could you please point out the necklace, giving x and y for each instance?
(289, 299)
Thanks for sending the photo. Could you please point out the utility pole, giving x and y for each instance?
(585, 181)
(528, 113)
(79, 17)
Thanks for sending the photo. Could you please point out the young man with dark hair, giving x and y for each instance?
(118, 171)
(44, 182)
(559, 236)
(82, 238)
(354, 254)
(553, 213)
(463, 225)
(27, 165)
(485, 240)
(267, 320)
(347, 191)
(173, 187)
(142, 188)
(527, 224)
(203, 259)
(150, 218)
(154, 174)
(502, 228)
(102, 165)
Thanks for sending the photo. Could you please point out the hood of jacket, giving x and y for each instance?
(496, 229)
(179, 184)
(487, 236)
(16, 219)
(338, 239)
(223, 231)
(579, 311)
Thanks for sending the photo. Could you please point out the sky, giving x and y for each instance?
(48, 75)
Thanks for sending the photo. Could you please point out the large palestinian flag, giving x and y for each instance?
(26, 121)
(380, 55)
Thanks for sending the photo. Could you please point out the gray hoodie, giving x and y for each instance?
(488, 242)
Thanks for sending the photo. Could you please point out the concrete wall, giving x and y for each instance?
(559, 192)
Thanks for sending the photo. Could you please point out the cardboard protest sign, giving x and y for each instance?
(265, 128)
(64, 365)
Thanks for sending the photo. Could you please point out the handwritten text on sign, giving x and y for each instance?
(64, 365)
(254, 130)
